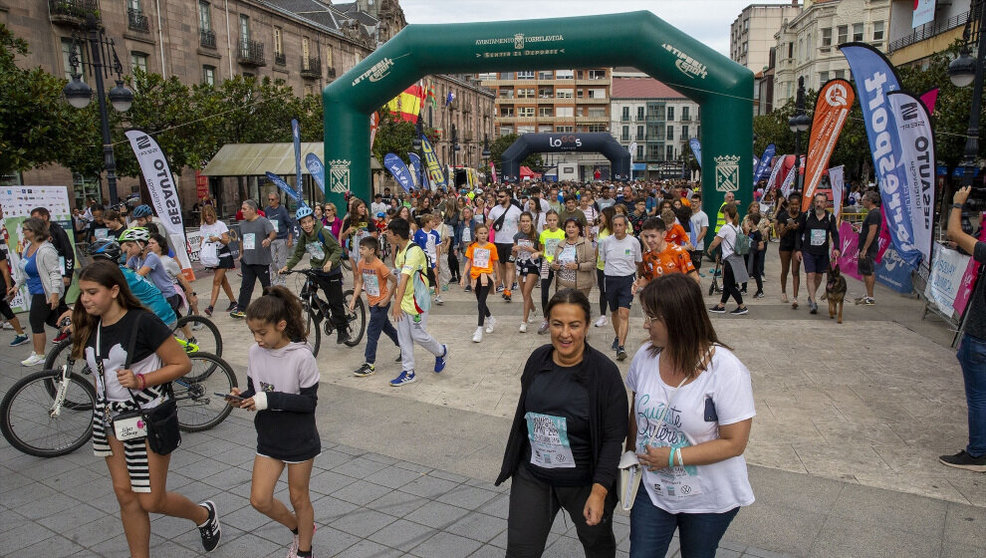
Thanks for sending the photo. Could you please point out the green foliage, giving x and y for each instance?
(393, 136)
(534, 161)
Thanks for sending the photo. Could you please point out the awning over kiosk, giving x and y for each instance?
(256, 159)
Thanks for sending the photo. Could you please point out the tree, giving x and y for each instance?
(35, 121)
(502, 143)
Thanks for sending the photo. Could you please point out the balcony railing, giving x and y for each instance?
(280, 58)
(207, 38)
(929, 30)
(251, 53)
(73, 12)
(311, 67)
(137, 21)
(330, 71)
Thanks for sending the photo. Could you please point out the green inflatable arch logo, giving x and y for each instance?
(722, 88)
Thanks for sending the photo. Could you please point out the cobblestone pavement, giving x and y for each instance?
(843, 453)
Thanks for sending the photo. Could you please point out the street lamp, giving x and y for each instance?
(799, 123)
(78, 94)
(963, 71)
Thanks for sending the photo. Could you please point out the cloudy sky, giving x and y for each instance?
(706, 20)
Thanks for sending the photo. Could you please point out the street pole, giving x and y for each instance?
(109, 160)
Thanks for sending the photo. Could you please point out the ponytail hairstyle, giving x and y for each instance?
(278, 303)
(109, 275)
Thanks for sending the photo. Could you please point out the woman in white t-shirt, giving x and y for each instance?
(733, 266)
(691, 403)
(215, 238)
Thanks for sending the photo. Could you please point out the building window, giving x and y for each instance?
(790, 49)
(565, 111)
(564, 129)
(244, 29)
(592, 128)
(857, 31)
(521, 130)
(279, 42)
(669, 156)
(626, 113)
(545, 93)
(546, 75)
(80, 52)
(840, 74)
(138, 61)
(640, 113)
(670, 115)
(843, 33)
(625, 136)
(822, 78)
(305, 50)
(209, 75)
(580, 93)
(525, 93)
(506, 93)
(827, 37)
(506, 112)
(877, 30)
(670, 135)
(525, 112)
(205, 17)
(563, 93)
(525, 74)
(328, 56)
(596, 74)
(545, 111)
(596, 93)
(640, 151)
(564, 74)
(684, 132)
(640, 132)
(684, 113)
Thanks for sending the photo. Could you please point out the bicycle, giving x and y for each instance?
(50, 412)
(317, 314)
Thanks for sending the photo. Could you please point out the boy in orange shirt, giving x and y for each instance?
(481, 258)
(377, 280)
(675, 233)
(661, 256)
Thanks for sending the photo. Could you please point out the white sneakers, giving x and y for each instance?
(478, 336)
(523, 327)
(601, 321)
(490, 324)
(33, 360)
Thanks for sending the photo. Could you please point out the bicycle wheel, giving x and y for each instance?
(61, 355)
(356, 319)
(314, 339)
(198, 406)
(32, 423)
(204, 336)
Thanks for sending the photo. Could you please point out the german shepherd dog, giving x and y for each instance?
(835, 290)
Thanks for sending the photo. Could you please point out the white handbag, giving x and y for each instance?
(209, 254)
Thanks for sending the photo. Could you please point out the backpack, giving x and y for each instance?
(743, 243)
(420, 284)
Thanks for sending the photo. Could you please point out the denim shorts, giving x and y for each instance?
(815, 263)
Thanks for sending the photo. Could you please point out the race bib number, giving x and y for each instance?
(101, 234)
(550, 245)
(524, 254)
(275, 225)
(550, 447)
(466, 234)
(677, 483)
(315, 250)
(567, 254)
(481, 257)
(129, 426)
(371, 283)
(818, 237)
(250, 241)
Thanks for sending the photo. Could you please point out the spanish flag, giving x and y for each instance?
(407, 105)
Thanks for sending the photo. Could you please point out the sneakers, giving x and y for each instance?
(812, 307)
(523, 327)
(60, 337)
(544, 327)
(33, 360)
(784, 298)
(197, 326)
(20, 340)
(506, 296)
(499, 289)
(759, 294)
(363, 371)
(441, 360)
(490, 324)
(342, 336)
(514, 287)
(963, 460)
(208, 311)
(621, 353)
(600, 322)
(865, 300)
(210, 531)
(740, 310)
(718, 309)
(794, 304)
(439, 300)
(616, 343)
(231, 307)
(478, 336)
(237, 314)
(296, 543)
(468, 288)
(404, 379)
(7, 325)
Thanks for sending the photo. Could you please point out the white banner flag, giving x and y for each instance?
(788, 181)
(164, 193)
(837, 181)
(917, 157)
(773, 172)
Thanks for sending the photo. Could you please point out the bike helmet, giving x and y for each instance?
(143, 210)
(135, 234)
(106, 248)
(302, 212)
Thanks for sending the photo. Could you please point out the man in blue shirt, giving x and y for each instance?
(279, 217)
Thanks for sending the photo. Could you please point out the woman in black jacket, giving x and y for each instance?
(566, 439)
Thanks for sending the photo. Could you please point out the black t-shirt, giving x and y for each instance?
(813, 234)
(787, 239)
(114, 341)
(558, 394)
(975, 324)
(873, 217)
(3, 262)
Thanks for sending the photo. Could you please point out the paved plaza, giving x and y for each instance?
(843, 453)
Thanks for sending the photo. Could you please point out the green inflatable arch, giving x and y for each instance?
(721, 87)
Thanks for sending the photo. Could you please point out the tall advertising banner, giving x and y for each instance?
(435, 174)
(875, 79)
(696, 150)
(917, 143)
(774, 172)
(415, 168)
(837, 180)
(835, 99)
(374, 124)
(296, 136)
(764, 164)
(788, 181)
(399, 170)
(493, 172)
(280, 183)
(924, 12)
(164, 193)
(317, 170)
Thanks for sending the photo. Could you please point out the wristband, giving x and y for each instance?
(958, 206)
(681, 460)
(142, 381)
(671, 458)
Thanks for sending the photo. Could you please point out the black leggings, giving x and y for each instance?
(545, 291)
(729, 286)
(453, 265)
(601, 283)
(482, 291)
(42, 313)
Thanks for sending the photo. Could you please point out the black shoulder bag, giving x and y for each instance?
(159, 425)
(498, 224)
